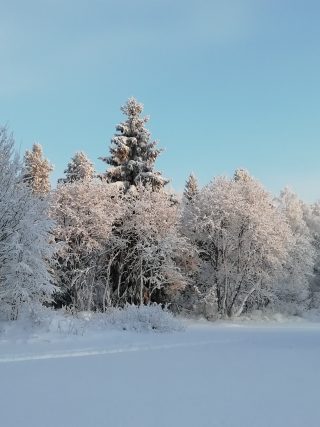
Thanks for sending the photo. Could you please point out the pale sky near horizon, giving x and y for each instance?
(228, 83)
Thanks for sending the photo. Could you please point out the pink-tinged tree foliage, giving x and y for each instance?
(243, 242)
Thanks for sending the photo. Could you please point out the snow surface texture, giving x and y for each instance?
(219, 375)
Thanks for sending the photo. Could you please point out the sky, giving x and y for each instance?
(226, 83)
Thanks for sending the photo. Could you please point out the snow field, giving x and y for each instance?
(215, 375)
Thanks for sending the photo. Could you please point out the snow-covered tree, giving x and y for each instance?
(243, 242)
(294, 289)
(84, 212)
(25, 246)
(79, 168)
(312, 218)
(242, 175)
(191, 187)
(37, 170)
(151, 259)
(132, 153)
(116, 248)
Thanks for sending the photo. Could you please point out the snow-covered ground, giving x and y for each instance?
(217, 375)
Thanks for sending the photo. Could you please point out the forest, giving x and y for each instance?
(98, 241)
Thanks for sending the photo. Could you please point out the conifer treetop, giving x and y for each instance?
(132, 153)
(37, 170)
(242, 175)
(79, 168)
(191, 187)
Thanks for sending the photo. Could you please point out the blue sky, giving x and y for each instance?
(228, 83)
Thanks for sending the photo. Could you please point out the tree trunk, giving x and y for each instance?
(240, 310)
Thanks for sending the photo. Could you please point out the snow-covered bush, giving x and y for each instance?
(142, 318)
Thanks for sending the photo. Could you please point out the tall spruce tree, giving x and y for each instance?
(191, 188)
(37, 170)
(132, 153)
(79, 168)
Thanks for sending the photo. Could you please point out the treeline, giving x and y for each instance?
(100, 241)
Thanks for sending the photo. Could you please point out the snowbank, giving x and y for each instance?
(151, 318)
